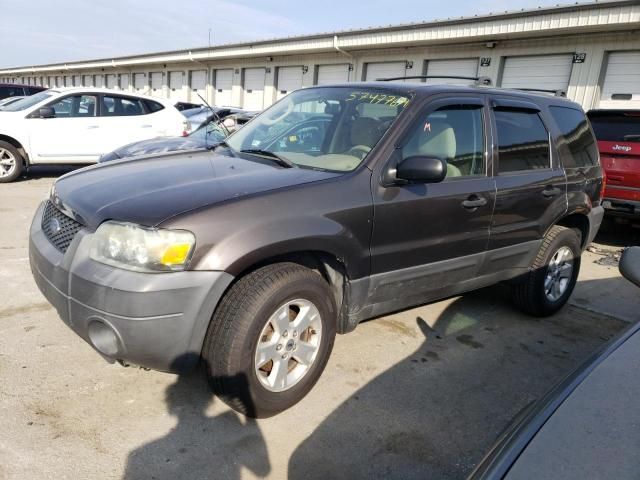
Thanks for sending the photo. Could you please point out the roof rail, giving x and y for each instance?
(477, 80)
(557, 93)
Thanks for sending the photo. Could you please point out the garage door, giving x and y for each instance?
(77, 80)
(465, 67)
(98, 81)
(548, 72)
(112, 80)
(289, 79)
(140, 82)
(68, 81)
(156, 84)
(223, 85)
(198, 85)
(333, 74)
(124, 81)
(385, 70)
(253, 89)
(621, 85)
(176, 80)
(87, 80)
(60, 81)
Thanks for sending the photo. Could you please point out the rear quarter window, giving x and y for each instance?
(154, 106)
(576, 144)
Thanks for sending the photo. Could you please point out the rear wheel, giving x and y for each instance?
(11, 163)
(270, 339)
(553, 275)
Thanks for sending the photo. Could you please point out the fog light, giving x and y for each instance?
(103, 338)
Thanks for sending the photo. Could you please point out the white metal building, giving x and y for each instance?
(591, 50)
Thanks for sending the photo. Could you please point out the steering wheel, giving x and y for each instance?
(272, 121)
(359, 151)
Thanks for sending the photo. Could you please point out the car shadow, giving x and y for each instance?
(200, 446)
(437, 412)
(614, 233)
(48, 171)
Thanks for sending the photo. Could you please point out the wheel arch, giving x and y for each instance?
(577, 220)
(16, 143)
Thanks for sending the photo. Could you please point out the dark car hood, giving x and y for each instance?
(149, 190)
(159, 145)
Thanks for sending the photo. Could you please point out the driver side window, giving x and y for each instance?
(454, 133)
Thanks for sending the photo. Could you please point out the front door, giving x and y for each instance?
(72, 136)
(427, 237)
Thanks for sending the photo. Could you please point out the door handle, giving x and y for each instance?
(550, 191)
(473, 202)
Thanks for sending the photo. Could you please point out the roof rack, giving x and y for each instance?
(477, 80)
(557, 93)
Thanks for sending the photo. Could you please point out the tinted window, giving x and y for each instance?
(10, 92)
(154, 106)
(523, 141)
(454, 133)
(121, 107)
(616, 126)
(576, 144)
(75, 106)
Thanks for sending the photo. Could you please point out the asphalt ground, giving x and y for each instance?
(420, 394)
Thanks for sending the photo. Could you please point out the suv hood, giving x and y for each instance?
(148, 191)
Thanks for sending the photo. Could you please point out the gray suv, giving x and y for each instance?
(337, 204)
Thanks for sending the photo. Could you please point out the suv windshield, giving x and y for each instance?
(616, 126)
(27, 102)
(330, 128)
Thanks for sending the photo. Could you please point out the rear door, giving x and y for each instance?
(427, 237)
(618, 135)
(530, 182)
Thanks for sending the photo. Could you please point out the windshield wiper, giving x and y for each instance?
(266, 153)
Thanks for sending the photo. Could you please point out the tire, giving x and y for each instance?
(9, 153)
(530, 293)
(243, 319)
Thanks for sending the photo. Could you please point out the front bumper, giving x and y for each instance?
(155, 320)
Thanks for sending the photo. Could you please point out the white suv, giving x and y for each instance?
(77, 125)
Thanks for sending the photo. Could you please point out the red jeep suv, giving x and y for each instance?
(618, 135)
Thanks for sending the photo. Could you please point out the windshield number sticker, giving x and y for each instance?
(377, 99)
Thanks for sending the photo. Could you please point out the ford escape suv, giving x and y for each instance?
(337, 204)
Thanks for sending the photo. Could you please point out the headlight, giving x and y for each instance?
(142, 249)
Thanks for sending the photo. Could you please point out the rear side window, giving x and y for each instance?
(154, 106)
(523, 141)
(616, 126)
(121, 107)
(576, 143)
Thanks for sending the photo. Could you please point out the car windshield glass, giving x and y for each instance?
(329, 128)
(211, 133)
(616, 127)
(28, 101)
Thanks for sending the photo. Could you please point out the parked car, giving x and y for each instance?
(335, 205)
(587, 426)
(16, 90)
(237, 120)
(181, 106)
(201, 115)
(206, 136)
(618, 134)
(77, 125)
(9, 101)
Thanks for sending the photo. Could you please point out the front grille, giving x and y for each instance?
(59, 228)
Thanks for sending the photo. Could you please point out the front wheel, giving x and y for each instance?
(551, 279)
(11, 163)
(270, 339)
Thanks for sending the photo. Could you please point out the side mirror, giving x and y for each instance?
(420, 169)
(630, 264)
(46, 112)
